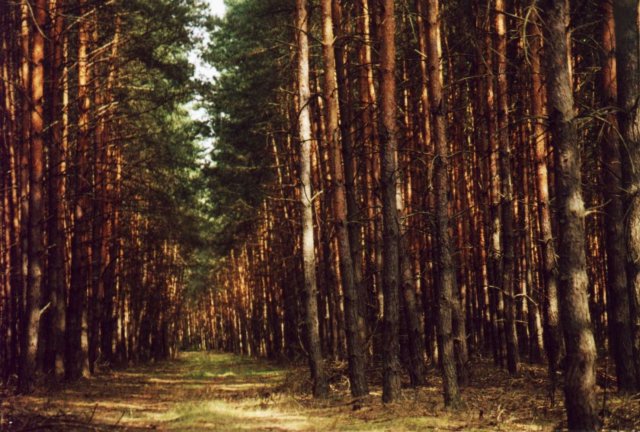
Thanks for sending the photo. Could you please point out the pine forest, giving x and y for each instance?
(319, 215)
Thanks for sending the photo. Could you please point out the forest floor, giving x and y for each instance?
(211, 391)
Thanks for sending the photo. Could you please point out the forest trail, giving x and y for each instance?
(197, 391)
(213, 391)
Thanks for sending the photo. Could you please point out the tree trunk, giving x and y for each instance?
(308, 248)
(508, 259)
(77, 360)
(618, 312)
(36, 205)
(445, 284)
(580, 372)
(552, 333)
(57, 208)
(25, 153)
(352, 300)
(628, 61)
(390, 222)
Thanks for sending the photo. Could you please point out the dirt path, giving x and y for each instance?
(198, 391)
(210, 391)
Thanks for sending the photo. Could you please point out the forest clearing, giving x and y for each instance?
(320, 214)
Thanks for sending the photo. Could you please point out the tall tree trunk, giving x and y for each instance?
(580, 372)
(390, 222)
(77, 360)
(350, 157)
(25, 154)
(618, 312)
(36, 205)
(57, 195)
(370, 140)
(508, 258)
(107, 328)
(626, 14)
(308, 248)
(552, 333)
(446, 281)
(354, 324)
(494, 228)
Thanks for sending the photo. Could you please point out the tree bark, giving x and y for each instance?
(352, 300)
(618, 311)
(446, 274)
(77, 360)
(580, 373)
(57, 208)
(552, 331)
(506, 206)
(36, 205)
(308, 248)
(390, 222)
(626, 14)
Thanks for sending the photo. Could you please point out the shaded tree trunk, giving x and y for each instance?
(552, 332)
(506, 206)
(390, 222)
(77, 359)
(628, 66)
(57, 208)
(580, 373)
(446, 274)
(352, 300)
(618, 312)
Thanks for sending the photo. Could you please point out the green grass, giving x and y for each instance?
(212, 391)
(228, 392)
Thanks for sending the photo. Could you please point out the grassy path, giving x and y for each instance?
(198, 391)
(211, 391)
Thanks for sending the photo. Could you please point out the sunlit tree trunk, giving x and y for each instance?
(308, 251)
(36, 205)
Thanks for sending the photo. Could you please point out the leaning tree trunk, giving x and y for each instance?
(446, 280)
(580, 372)
(308, 248)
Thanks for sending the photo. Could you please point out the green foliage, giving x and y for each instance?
(161, 152)
(249, 48)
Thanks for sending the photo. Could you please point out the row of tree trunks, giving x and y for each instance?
(66, 296)
(445, 208)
